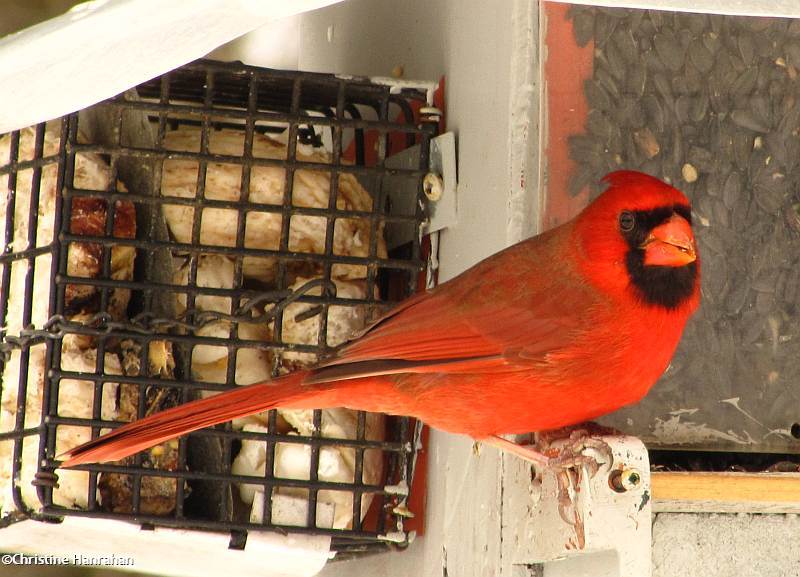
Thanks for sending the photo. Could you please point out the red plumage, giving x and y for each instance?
(555, 330)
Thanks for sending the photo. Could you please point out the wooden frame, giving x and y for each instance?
(729, 492)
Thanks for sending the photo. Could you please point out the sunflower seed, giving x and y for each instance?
(652, 62)
(711, 41)
(669, 50)
(757, 24)
(736, 298)
(680, 85)
(689, 172)
(626, 44)
(703, 207)
(791, 291)
(596, 95)
(607, 82)
(754, 327)
(701, 56)
(717, 96)
(652, 167)
(712, 244)
(764, 45)
(739, 217)
(654, 112)
(790, 123)
(791, 152)
(629, 113)
(584, 149)
(721, 214)
(765, 302)
(657, 18)
(745, 82)
(714, 181)
(742, 146)
(682, 106)
(716, 21)
(696, 23)
(701, 158)
(747, 49)
(581, 179)
(618, 13)
(746, 119)
(664, 88)
(636, 80)
(616, 62)
(792, 53)
(604, 26)
(699, 107)
(731, 190)
(763, 80)
(647, 142)
(765, 283)
(676, 156)
(762, 109)
(769, 194)
(583, 26)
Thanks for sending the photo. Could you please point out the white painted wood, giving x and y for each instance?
(476, 45)
(526, 124)
(172, 552)
(102, 48)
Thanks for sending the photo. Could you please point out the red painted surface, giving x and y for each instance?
(566, 67)
(397, 140)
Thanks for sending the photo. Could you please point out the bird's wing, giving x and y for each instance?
(474, 326)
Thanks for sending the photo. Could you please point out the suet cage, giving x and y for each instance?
(216, 225)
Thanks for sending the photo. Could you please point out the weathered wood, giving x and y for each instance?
(725, 492)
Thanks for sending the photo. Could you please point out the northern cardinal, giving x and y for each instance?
(555, 330)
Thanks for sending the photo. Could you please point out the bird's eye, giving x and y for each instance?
(627, 221)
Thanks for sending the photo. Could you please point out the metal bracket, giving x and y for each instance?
(402, 192)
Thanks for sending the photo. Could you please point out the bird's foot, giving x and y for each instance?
(555, 451)
(580, 449)
(566, 455)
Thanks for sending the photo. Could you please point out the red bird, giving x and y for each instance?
(555, 330)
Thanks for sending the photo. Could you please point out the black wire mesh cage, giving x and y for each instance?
(217, 226)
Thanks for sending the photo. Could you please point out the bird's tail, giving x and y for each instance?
(287, 392)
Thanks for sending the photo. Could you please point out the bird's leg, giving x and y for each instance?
(552, 450)
(525, 452)
(566, 472)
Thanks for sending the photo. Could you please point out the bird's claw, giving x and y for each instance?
(570, 453)
(565, 479)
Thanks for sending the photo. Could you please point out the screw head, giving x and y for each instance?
(433, 186)
(624, 480)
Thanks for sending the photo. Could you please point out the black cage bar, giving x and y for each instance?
(129, 321)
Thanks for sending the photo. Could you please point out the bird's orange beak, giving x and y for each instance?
(670, 244)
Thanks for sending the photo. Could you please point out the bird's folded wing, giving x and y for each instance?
(430, 336)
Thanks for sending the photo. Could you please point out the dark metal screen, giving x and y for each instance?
(127, 284)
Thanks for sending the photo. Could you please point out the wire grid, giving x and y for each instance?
(213, 96)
